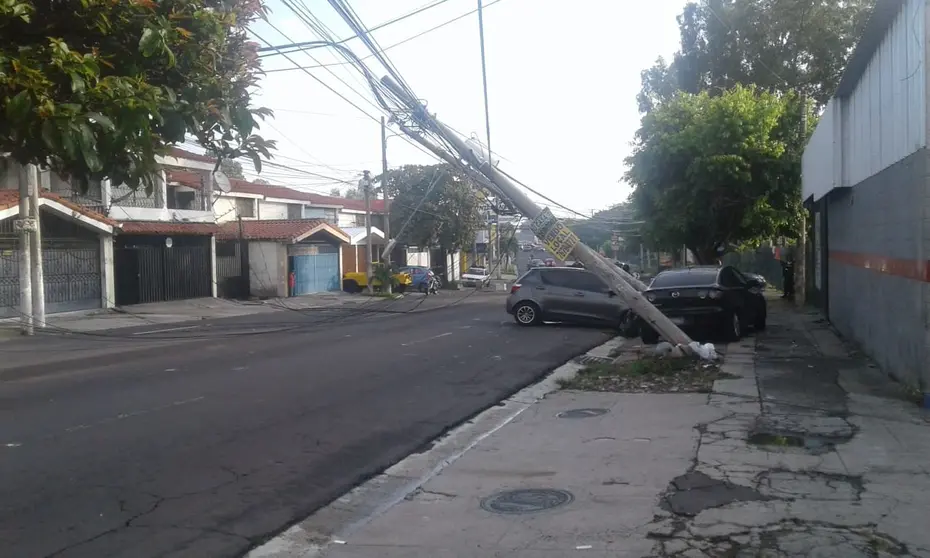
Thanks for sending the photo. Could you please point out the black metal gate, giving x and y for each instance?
(147, 269)
(232, 269)
(70, 263)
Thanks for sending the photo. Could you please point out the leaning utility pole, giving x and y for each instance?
(553, 232)
(35, 248)
(365, 183)
(25, 226)
(387, 202)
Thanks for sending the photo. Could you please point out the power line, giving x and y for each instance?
(298, 46)
(408, 39)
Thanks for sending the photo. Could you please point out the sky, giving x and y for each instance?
(562, 85)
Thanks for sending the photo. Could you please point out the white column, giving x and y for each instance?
(107, 272)
(161, 190)
(213, 266)
(106, 194)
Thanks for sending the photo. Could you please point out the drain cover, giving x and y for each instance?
(588, 359)
(582, 413)
(528, 500)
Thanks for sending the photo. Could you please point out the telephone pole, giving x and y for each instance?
(545, 225)
(387, 201)
(365, 183)
(25, 225)
(35, 248)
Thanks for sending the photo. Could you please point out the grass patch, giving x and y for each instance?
(648, 375)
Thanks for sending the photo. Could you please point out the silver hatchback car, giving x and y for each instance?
(564, 294)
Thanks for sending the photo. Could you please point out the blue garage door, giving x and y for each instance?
(316, 273)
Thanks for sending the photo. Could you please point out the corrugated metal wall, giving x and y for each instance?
(819, 174)
(885, 119)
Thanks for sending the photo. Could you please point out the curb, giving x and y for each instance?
(333, 523)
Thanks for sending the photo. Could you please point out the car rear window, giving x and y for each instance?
(690, 278)
(530, 277)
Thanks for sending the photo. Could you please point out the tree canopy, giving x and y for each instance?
(96, 89)
(718, 171)
(450, 214)
(778, 45)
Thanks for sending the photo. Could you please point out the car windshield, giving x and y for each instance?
(684, 278)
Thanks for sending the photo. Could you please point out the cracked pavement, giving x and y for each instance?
(804, 451)
(833, 461)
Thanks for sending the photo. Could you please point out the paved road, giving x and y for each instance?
(210, 446)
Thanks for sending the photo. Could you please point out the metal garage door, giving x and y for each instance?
(71, 266)
(317, 273)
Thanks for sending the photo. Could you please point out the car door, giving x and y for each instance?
(754, 293)
(737, 292)
(597, 303)
(559, 296)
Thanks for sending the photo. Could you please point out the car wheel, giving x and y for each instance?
(351, 286)
(423, 287)
(648, 335)
(760, 319)
(733, 327)
(527, 314)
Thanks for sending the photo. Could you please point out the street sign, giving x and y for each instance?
(558, 238)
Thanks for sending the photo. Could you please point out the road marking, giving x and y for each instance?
(446, 334)
(164, 330)
(123, 416)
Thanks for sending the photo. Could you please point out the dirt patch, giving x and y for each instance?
(648, 375)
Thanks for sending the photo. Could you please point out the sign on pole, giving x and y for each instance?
(558, 238)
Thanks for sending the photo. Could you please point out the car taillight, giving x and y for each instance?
(515, 287)
(715, 294)
(651, 297)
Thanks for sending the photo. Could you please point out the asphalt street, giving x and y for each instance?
(207, 446)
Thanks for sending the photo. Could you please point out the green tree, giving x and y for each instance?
(334, 191)
(95, 89)
(722, 170)
(783, 45)
(450, 213)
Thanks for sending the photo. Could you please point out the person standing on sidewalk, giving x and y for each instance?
(787, 274)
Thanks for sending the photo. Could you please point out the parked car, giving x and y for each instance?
(419, 276)
(564, 294)
(476, 277)
(550, 262)
(707, 300)
(357, 281)
(534, 263)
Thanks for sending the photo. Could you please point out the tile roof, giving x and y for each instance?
(179, 153)
(185, 177)
(283, 230)
(10, 198)
(285, 193)
(177, 228)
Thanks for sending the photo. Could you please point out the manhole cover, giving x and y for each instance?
(582, 413)
(529, 500)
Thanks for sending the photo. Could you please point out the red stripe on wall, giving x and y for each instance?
(916, 270)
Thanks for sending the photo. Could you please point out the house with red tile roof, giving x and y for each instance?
(286, 257)
(77, 250)
(251, 201)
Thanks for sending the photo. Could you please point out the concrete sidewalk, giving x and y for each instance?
(806, 450)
